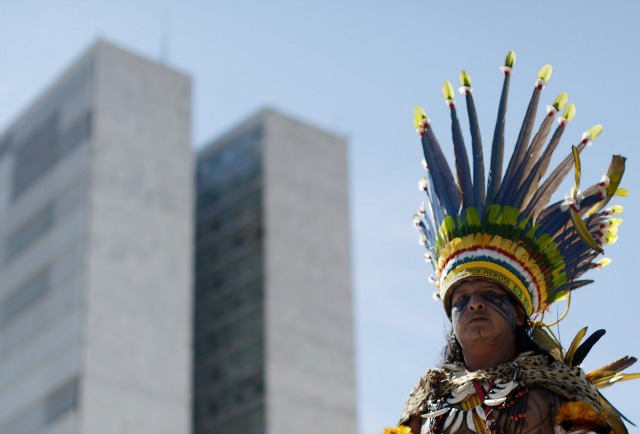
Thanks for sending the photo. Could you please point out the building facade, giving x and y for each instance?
(95, 267)
(273, 305)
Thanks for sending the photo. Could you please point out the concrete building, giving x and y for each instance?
(96, 243)
(273, 304)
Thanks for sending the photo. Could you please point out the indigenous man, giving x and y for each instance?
(501, 256)
(489, 331)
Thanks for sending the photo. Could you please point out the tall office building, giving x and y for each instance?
(273, 310)
(95, 252)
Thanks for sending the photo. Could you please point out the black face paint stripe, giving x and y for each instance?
(461, 303)
(502, 304)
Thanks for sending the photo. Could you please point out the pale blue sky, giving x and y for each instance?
(358, 68)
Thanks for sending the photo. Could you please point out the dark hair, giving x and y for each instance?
(452, 351)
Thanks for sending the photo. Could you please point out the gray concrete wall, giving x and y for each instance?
(309, 319)
(137, 341)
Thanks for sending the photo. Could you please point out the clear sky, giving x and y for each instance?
(358, 68)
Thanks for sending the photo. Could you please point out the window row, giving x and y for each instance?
(42, 150)
(59, 402)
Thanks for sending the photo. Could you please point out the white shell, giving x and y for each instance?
(460, 398)
(470, 424)
(458, 423)
(435, 413)
(462, 388)
(447, 422)
(425, 429)
(502, 392)
(494, 402)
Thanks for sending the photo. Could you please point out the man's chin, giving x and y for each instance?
(479, 333)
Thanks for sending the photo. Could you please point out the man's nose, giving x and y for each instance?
(476, 302)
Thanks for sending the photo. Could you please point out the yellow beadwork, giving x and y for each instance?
(505, 277)
(469, 404)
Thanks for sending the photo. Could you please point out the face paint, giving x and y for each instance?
(502, 304)
(461, 303)
(491, 298)
(484, 319)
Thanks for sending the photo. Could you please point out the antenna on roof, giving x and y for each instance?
(165, 39)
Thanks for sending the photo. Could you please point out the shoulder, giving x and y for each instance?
(568, 382)
(426, 387)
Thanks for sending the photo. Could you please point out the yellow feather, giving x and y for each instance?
(608, 371)
(568, 358)
(547, 343)
(576, 160)
(583, 232)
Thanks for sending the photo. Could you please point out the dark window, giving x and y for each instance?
(61, 400)
(29, 232)
(35, 417)
(40, 151)
(5, 144)
(24, 297)
(229, 319)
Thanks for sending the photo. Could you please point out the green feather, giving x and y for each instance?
(472, 219)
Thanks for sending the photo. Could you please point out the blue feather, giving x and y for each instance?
(569, 286)
(507, 187)
(533, 179)
(497, 146)
(576, 271)
(570, 236)
(529, 161)
(462, 161)
(553, 222)
(478, 158)
(439, 184)
(543, 194)
(449, 189)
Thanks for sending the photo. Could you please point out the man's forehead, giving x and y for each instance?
(478, 283)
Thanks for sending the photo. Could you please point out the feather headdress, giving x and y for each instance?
(506, 230)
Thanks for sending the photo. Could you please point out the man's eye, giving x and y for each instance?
(460, 298)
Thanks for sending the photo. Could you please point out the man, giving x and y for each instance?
(501, 256)
(485, 322)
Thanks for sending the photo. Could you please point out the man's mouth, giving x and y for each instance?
(477, 319)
